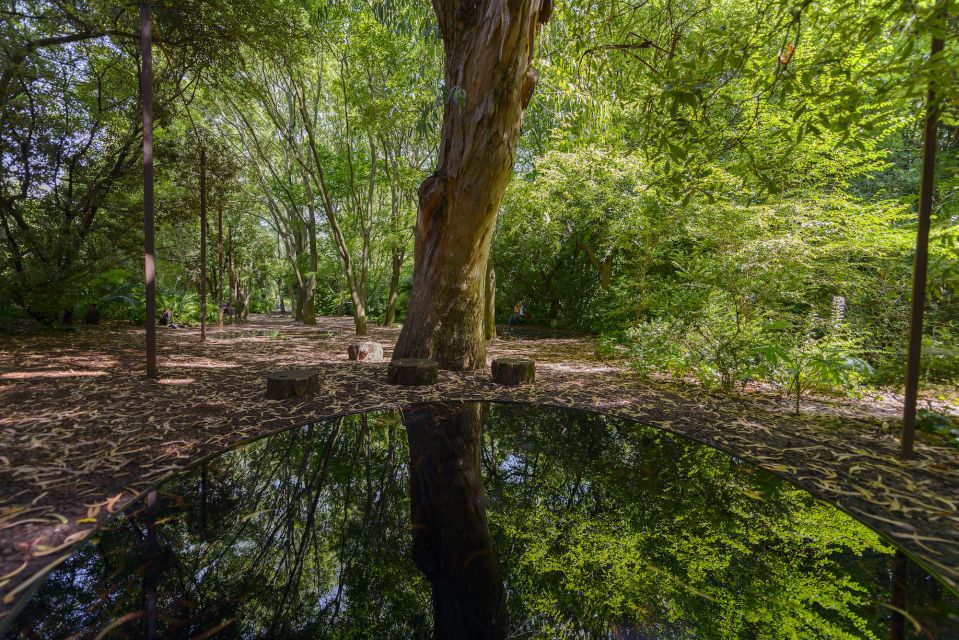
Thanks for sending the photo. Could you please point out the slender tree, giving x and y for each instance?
(146, 84)
(490, 79)
(219, 259)
(926, 186)
(202, 242)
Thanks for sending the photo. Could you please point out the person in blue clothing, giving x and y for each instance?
(519, 314)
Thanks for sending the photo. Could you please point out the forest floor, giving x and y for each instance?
(82, 431)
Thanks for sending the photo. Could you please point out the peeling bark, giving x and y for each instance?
(489, 48)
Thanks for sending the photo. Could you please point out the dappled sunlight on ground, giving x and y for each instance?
(567, 367)
(82, 426)
(55, 373)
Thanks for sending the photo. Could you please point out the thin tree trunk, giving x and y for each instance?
(354, 283)
(149, 266)
(397, 251)
(490, 317)
(489, 48)
(219, 259)
(309, 304)
(603, 267)
(202, 243)
(231, 303)
(396, 267)
(248, 297)
(606, 273)
(927, 182)
(296, 302)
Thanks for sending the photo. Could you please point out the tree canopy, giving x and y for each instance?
(719, 190)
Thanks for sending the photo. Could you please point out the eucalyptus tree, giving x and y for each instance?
(489, 80)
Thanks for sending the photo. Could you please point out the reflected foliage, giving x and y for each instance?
(602, 528)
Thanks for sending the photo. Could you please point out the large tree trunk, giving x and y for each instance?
(489, 47)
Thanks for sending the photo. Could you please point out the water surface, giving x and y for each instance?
(484, 521)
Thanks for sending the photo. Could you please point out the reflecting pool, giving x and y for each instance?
(472, 520)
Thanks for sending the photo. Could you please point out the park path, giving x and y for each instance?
(82, 432)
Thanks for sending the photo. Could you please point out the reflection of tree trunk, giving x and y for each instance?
(151, 573)
(451, 539)
(897, 623)
(312, 496)
(204, 491)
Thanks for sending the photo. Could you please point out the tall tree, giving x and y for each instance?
(489, 78)
(146, 96)
(203, 226)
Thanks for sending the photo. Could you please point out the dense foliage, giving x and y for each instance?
(728, 191)
(721, 190)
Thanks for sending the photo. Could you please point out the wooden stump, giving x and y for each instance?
(514, 371)
(412, 371)
(365, 350)
(290, 383)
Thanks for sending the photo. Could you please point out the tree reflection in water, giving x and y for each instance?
(602, 529)
(451, 538)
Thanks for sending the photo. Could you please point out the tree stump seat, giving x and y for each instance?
(514, 371)
(365, 350)
(412, 371)
(290, 383)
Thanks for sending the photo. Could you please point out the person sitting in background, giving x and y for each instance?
(519, 314)
(166, 319)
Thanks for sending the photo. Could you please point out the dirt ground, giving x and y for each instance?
(82, 431)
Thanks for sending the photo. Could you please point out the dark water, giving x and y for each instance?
(484, 521)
